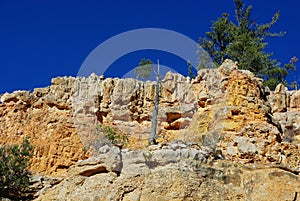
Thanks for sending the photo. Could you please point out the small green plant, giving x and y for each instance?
(116, 138)
(294, 85)
(14, 176)
(144, 69)
(191, 73)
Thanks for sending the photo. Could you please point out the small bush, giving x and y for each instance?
(116, 138)
(14, 176)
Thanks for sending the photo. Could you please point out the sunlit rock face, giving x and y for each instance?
(206, 127)
(187, 173)
(45, 115)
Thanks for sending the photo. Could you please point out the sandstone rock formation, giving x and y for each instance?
(286, 111)
(222, 135)
(46, 117)
(172, 172)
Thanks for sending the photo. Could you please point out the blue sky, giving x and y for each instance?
(40, 40)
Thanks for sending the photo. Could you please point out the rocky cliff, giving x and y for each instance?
(222, 136)
(174, 171)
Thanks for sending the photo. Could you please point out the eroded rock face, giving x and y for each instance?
(286, 111)
(224, 109)
(174, 171)
(208, 183)
(46, 117)
(236, 116)
(128, 105)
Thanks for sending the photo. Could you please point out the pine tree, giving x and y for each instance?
(244, 42)
(14, 176)
(144, 69)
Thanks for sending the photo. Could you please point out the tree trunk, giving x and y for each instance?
(152, 136)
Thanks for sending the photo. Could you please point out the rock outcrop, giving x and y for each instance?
(286, 111)
(46, 117)
(222, 135)
(173, 171)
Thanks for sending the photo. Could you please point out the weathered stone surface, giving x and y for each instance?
(46, 117)
(140, 162)
(108, 161)
(39, 184)
(128, 104)
(235, 116)
(286, 111)
(226, 110)
(294, 99)
(178, 172)
(279, 99)
(227, 67)
(222, 103)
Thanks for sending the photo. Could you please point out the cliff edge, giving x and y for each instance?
(222, 136)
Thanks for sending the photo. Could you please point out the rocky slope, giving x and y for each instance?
(173, 171)
(229, 134)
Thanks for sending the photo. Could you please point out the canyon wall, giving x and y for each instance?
(226, 111)
(226, 108)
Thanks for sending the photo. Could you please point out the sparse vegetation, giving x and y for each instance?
(116, 138)
(244, 41)
(191, 73)
(14, 175)
(294, 85)
(144, 71)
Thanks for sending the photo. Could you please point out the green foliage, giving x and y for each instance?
(243, 42)
(294, 85)
(191, 73)
(116, 138)
(144, 69)
(205, 60)
(14, 176)
(218, 40)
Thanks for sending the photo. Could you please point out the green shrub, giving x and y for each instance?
(14, 176)
(116, 138)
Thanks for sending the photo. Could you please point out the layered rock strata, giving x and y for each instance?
(173, 171)
(225, 108)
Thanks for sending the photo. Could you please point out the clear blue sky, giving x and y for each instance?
(40, 40)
